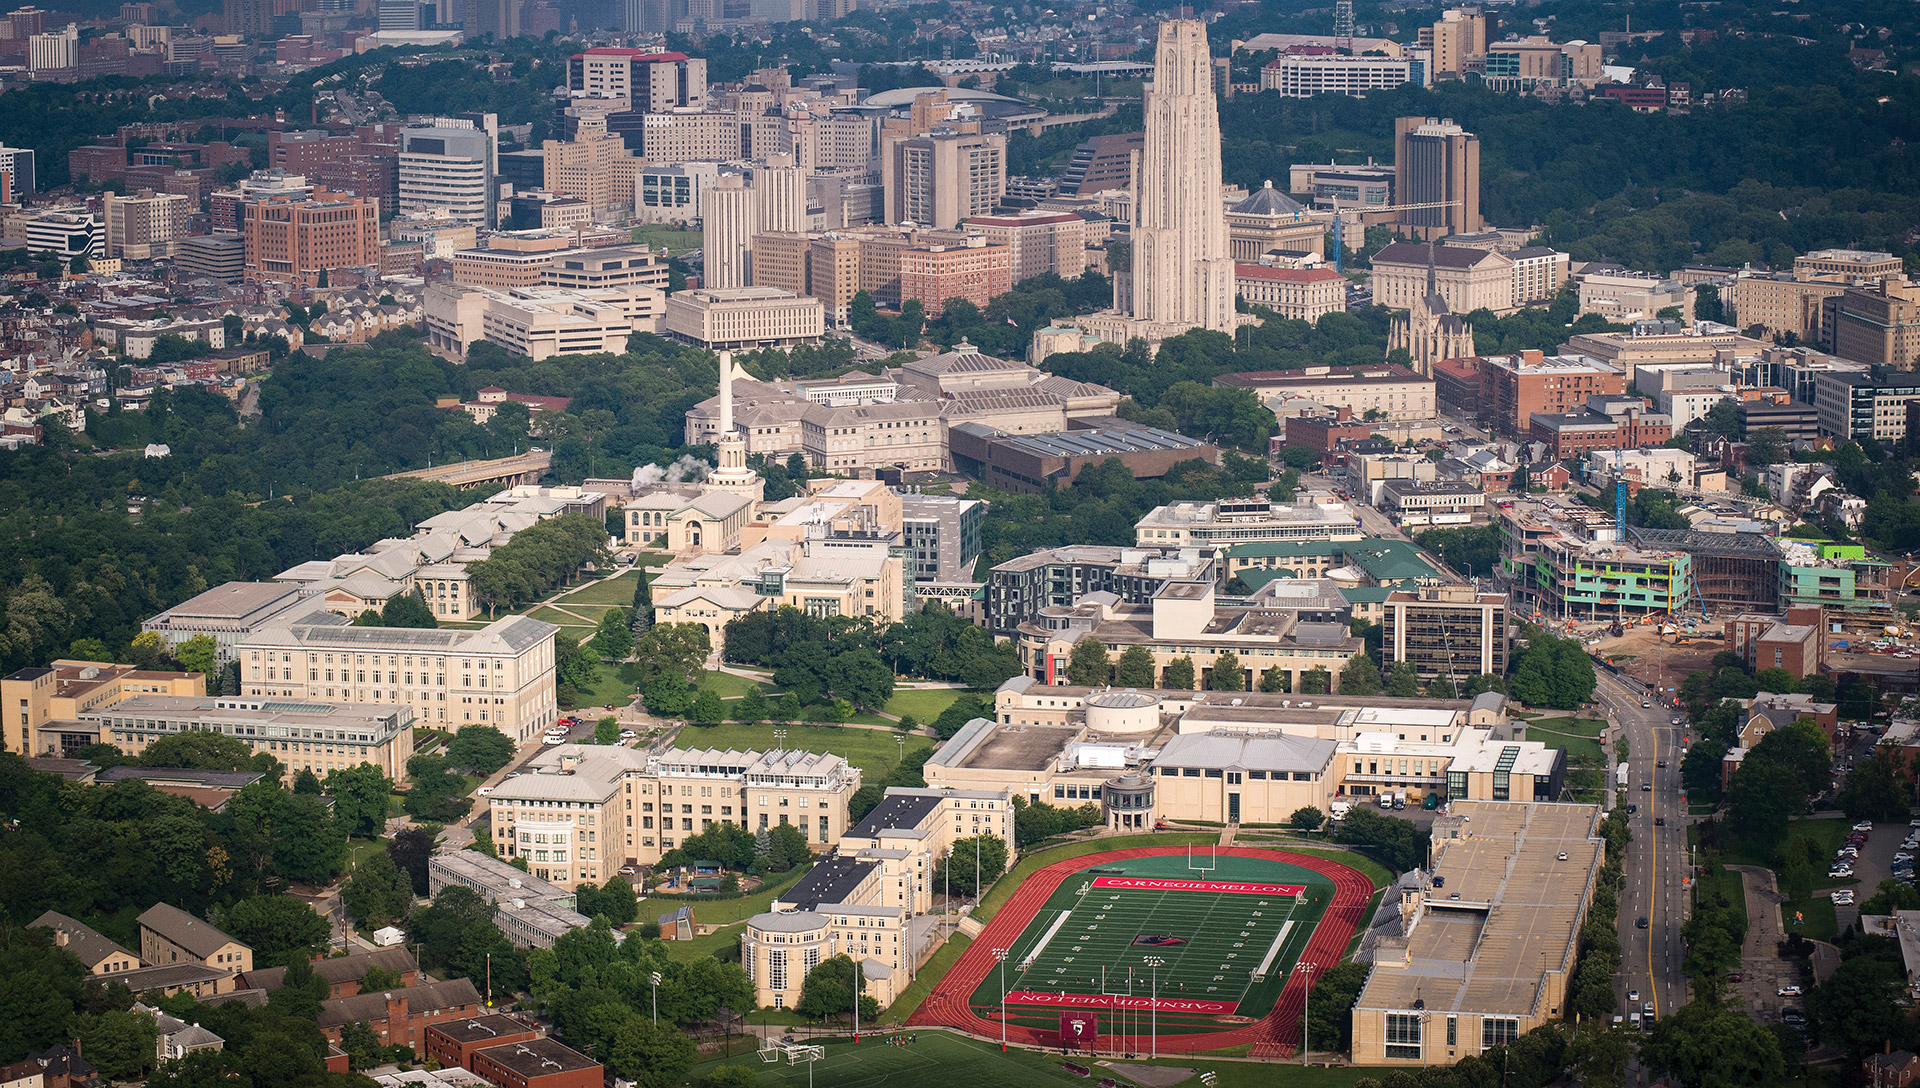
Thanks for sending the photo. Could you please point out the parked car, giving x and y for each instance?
(1863, 825)
(1789, 991)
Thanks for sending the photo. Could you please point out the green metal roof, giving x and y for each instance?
(1255, 577)
(1367, 594)
(1387, 560)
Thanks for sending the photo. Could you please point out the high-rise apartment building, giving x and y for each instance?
(1182, 264)
(54, 50)
(728, 227)
(1436, 162)
(1459, 37)
(1038, 242)
(447, 168)
(938, 178)
(650, 82)
(594, 166)
(145, 225)
(299, 240)
(1878, 323)
(780, 191)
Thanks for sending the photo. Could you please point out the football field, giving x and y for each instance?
(1199, 943)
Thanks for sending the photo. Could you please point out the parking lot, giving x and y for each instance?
(1874, 865)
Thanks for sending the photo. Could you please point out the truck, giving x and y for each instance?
(1386, 798)
(1340, 809)
(1620, 776)
(1399, 798)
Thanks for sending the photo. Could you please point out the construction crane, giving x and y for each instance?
(1341, 220)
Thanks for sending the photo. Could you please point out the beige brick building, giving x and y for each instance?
(500, 675)
(1469, 279)
(744, 317)
(585, 811)
(1300, 294)
(171, 935)
(1784, 304)
(41, 708)
(1038, 242)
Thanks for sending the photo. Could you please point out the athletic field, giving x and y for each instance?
(1155, 947)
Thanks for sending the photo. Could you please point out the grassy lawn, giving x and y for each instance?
(1577, 746)
(359, 850)
(566, 619)
(607, 688)
(728, 686)
(617, 590)
(874, 752)
(700, 948)
(1723, 884)
(661, 235)
(937, 1055)
(1827, 835)
(722, 911)
(923, 703)
(1817, 910)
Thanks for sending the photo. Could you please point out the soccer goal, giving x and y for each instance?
(799, 1053)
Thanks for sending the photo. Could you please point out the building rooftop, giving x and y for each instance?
(479, 1029)
(1239, 751)
(1515, 923)
(831, 880)
(895, 810)
(534, 1058)
(426, 997)
(88, 946)
(177, 776)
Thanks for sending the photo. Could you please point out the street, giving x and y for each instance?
(1656, 866)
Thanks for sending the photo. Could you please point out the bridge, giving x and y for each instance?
(525, 468)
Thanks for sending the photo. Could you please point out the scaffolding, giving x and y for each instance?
(1731, 571)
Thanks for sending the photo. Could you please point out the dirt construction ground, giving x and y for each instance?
(1646, 655)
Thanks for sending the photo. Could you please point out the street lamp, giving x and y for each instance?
(1154, 963)
(655, 979)
(1305, 970)
(1001, 955)
(779, 739)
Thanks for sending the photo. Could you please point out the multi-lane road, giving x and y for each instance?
(1657, 886)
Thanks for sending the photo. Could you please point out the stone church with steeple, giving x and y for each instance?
(1430, 330)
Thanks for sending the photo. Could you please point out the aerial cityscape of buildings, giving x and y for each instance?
(861, 498)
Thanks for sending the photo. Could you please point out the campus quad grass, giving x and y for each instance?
(1821, 923)
(568, 619)
(874, 751)
(607, 688)
(1226, 935)
(1827, 835)
(729, 686)
(925, 704)
(607, 591)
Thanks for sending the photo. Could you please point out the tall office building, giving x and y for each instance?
(1436, 161)
(1182, 264)
(780, 189)
(299, 240)
(447, 168)
(1458, 38)
(145, 225)
(54, 50)
(938, 178)
(728, 224)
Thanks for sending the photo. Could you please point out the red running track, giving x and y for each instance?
(1278, 1031)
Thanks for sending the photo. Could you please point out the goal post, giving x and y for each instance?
(1211, 861)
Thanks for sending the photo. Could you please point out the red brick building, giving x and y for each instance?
(454, 1042)
(298, 241)
(1323, 434)
(935, 273)
(1514, 387)
(1792, 642)
(401, 1017)
(537, 1063)
(1457, 382)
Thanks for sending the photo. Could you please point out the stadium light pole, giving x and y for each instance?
(1306, 969)
(655, 979)
(1001, 955)
(1154, 963)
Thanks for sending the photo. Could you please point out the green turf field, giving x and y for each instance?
(1213, 946)
(936, 1055)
